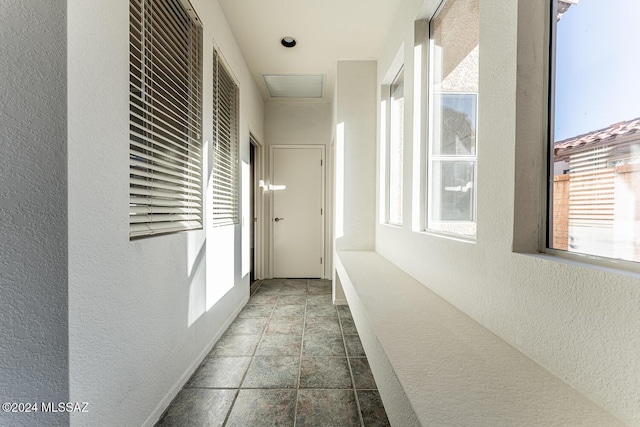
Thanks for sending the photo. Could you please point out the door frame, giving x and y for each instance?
(322, 148)
(258, 207)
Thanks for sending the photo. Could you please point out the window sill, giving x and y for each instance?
(449, 236)
(607, 265)
(392, 225)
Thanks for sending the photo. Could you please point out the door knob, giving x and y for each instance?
(279, 219)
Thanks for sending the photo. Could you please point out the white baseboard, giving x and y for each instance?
(155, 415)
(341, 301)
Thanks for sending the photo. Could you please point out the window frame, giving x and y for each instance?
(429, 158)
(225, 145)
(587, 260)
(165, 115)
(388, 97)
(382, 166)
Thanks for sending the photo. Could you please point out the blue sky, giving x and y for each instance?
(597, 66)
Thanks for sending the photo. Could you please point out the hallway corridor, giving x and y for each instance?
(282, 362)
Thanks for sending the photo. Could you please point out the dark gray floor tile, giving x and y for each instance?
(285, 325)
(270, 328)
(319, 282)
(323, 345)
(289, 311)
(198, 407)
(272, 372)
(255, 310)
(236, 345)
(324, 372)
(322, 325)
(268, 290)
(354, 346)
(362, 375)
(372, 409)
(295, 283)
(319, 300)
(297, 291)
(321, 311)
(348, 326)
(219, 372)
(254, 286)
(253, 326)
(292, 300)
(283, 345)
(319, 289)
(263, 408)
(259, 298)
(336, 408)
(271, 287)
(344, 312)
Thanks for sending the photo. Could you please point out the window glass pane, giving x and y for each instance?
(454, 131)
(596, 138)
(454, 53)
(452, 187)
(396, 126)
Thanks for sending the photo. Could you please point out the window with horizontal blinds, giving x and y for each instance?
(225, 146)
(165, 118)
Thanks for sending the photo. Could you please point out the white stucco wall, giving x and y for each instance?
(302, 122)
(580, 322)
(33, 209)
(356, 117)
(141, 313)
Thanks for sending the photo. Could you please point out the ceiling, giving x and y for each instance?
(326, 31)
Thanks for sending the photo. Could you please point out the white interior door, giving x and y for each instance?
(298, 211)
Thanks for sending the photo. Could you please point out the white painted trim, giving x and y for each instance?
(385, 134)
(341, 301)
(162, 406)
(258, 206)
(323, 190)
(226, 64)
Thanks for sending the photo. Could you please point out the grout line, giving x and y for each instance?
(304, 325)
(253, 355)
(297, 387)
(353, 382)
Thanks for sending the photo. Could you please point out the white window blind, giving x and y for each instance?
(225, 146)
(165, 149)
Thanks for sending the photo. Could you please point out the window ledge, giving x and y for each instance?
(607, 265)
(434, 365)
(392, 225)
(449, 236)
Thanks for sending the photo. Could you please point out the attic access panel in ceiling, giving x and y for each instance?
(294, 86)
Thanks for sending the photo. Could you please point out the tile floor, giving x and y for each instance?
(290, 358)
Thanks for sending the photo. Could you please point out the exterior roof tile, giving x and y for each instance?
(608, 134)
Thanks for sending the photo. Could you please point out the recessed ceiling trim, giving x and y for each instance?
(294, 85)
(288, 42)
